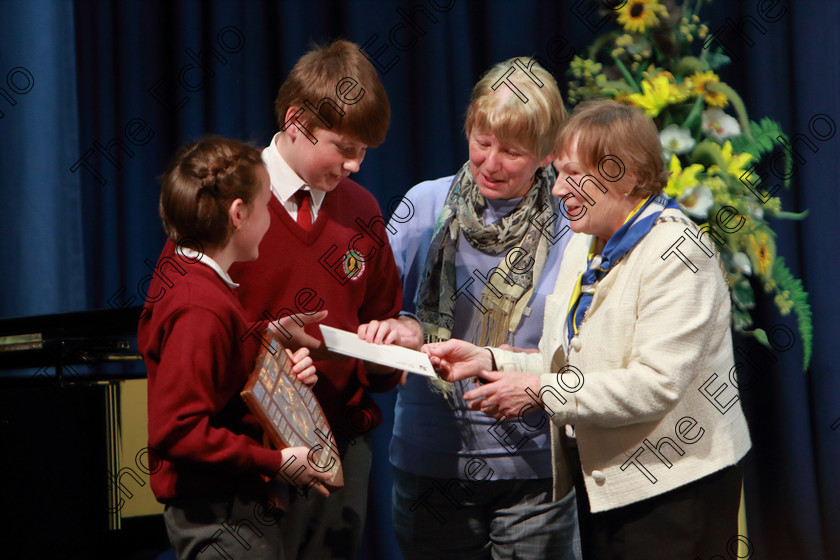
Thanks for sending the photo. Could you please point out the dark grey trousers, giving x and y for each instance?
(240, 527)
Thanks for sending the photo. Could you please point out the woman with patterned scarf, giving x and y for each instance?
(477, 259)
(636, 337)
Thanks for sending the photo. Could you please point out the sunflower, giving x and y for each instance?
(700, 82)
(637, 15)
(762, 251)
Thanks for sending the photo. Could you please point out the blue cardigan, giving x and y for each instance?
(430, 438)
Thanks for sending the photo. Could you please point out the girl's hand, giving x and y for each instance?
(293, 459)
(455, 359)
(302, 366)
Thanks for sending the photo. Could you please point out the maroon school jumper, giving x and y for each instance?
(203, 440)
(343, 264)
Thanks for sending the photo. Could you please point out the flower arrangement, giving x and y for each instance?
(657, 61)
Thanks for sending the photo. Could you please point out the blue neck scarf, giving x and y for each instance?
(622, 242)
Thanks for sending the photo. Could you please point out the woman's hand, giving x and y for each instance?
(518, 349)
(302, 366)
(505, 395)
(455, 359)
(404, 331)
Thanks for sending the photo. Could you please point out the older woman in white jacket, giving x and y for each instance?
(634, 357)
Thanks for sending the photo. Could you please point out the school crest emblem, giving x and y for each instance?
(354, 265)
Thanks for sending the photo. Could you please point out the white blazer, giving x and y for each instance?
(647, 384)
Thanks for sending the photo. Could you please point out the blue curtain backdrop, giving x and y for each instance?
(96, 96)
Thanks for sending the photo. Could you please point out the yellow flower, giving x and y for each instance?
(773, 204)
(700, 82)
(637, 15)
(681, 179)
(783, 302)
(624, 41)
(623, 98)
(719, 190)
(735, 163)
(584, 67)
(762, 251)
(657, 93)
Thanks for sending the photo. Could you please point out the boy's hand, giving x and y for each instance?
(289, 330)
(302, 366)
(293, 459)
(404, 331)
(455, 359)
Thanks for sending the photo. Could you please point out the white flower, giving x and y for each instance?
(675, 140)
(719, 125)
(742, 262)
(697, 201)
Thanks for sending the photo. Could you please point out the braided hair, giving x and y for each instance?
(202, 181)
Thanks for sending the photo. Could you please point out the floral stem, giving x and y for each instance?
(695, 112)
(600, 42)
(737, 102)
(709, 151)
(790, 215)
(627, 77)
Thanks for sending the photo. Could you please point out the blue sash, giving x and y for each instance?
(638, 224)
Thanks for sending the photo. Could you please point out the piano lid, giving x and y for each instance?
(80, 337)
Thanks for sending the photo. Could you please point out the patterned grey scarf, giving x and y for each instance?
(462, 213)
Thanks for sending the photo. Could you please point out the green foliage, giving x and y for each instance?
(766, 136)
(742, 294)
(792, 287)
(717, 60)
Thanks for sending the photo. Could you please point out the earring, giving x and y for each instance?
(626, 194)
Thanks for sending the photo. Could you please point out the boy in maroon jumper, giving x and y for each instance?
(327, 248)
(209, 466)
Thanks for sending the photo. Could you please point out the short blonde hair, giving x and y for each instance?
(529, 116)
(606, 128)
(321, 73)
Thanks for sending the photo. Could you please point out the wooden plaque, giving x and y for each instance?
(289, 412)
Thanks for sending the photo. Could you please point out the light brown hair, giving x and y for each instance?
(321, 77)
(606, 128)
(202, 180)
(532, 122)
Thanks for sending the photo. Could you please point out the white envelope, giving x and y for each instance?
(349, 344)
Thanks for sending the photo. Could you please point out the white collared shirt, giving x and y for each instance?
(194, 255)
(285, 182)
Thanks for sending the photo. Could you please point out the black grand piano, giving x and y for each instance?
(92, 341)
(63, 486)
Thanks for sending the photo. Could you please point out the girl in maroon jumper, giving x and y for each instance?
(209, 466)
